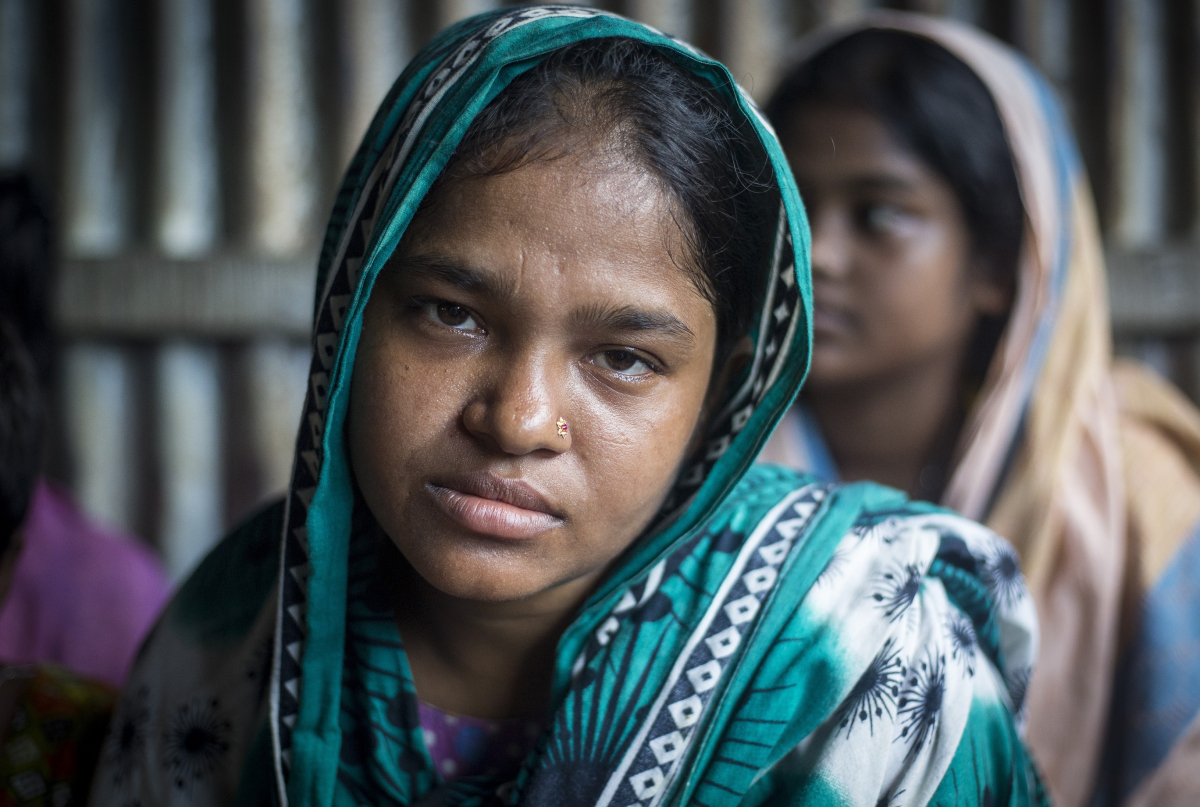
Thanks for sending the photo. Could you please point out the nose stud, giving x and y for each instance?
(561, 426)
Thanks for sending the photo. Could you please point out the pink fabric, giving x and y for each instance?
(472, 746)
(83, 597)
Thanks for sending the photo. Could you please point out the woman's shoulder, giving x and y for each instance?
(873, 510)
(885, 551)
(935, 636)
(762, 489)
(885, 514)
(978, 570)
(915, 621)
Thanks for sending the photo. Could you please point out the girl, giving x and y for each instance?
(962, 353)
(526, 558)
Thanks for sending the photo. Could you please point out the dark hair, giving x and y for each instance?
(25, 269)
(933, 103)
(638, 106)
(21, 421)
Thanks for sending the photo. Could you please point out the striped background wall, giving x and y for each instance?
(192, 148)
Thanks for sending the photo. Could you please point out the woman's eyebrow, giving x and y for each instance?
(460, 275)
(597, 317)
(627, 319)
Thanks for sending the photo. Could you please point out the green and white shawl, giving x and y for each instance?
(771, 640)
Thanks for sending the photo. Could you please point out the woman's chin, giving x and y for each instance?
(482, 576)
(483, 590)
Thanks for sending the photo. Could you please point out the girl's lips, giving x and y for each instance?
(491, 516)
(830, 320)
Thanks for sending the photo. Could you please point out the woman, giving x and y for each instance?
(526, 558)
(962, 353)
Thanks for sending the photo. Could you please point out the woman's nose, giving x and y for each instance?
(831, 246)
(520, 410)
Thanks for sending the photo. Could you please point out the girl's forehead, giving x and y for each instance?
(852, 148)
(836, 133)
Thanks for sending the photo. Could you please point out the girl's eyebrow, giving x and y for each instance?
(881, 183)
(628, 319)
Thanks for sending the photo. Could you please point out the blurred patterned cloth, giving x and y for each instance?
(53, 739)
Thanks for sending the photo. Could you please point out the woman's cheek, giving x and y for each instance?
(393, 392)
(638, 453)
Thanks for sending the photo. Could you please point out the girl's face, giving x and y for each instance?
(895, 285)
(532, 368)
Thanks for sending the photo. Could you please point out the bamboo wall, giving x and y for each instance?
(193, 146)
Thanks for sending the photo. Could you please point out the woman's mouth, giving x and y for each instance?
(491, 505)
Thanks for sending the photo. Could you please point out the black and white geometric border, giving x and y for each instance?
(654, 757)
(779, 318)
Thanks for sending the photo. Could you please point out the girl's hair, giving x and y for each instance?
(935, 105)
(631, 104)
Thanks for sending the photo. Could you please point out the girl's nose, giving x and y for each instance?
(830, 245)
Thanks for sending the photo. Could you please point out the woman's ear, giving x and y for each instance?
(739, 356)
(737, 359)
(735, 362)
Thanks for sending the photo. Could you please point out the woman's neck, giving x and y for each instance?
(900, 430)
(483, 659)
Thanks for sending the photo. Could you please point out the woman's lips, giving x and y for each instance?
(491, 505)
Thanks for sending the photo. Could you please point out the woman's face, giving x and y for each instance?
(532, 367)
(894, 283)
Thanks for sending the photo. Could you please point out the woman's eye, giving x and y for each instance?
(625, 362)
(451, 315)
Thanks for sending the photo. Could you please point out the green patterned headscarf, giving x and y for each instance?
(416, 131)
(768, 640)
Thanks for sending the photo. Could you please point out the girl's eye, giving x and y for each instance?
(880, 218)
(625, 362)
(451, 315)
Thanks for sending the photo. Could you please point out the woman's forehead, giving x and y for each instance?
(561, 229)
(570, 207)
(579, 170)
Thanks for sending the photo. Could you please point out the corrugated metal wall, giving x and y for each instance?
(193, 147)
